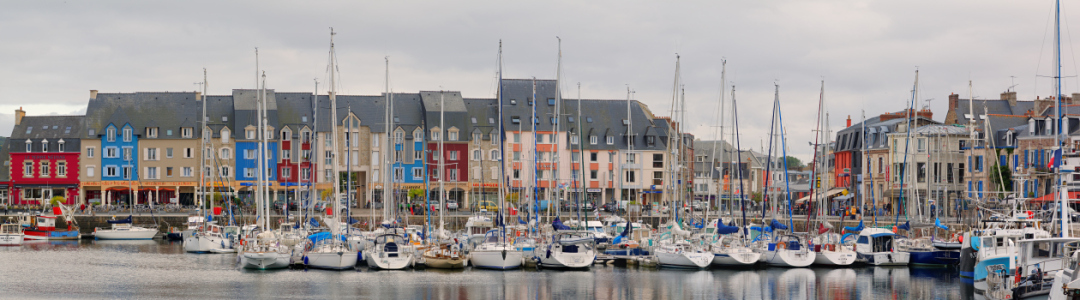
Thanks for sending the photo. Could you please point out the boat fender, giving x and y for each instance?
(305, 260)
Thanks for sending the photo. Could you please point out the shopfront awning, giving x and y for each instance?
(829, 194)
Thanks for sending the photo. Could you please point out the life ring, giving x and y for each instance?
(780, 246)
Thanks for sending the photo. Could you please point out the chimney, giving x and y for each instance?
(848, 121)
(954, 100)
(198, 95)
(19, 114)
(1075, 96)
(1010, 96)
(93, 94)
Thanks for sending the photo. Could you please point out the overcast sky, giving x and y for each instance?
(53, 52)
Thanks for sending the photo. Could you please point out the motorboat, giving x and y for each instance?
(575, 249)
(788, 251)
(389, 252)
(923, 252)
(998, 244)
(496, 252)
(43, 227)
(124, 230)
(876, 246)
(11, 235)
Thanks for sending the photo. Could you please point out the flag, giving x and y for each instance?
(1055, 160)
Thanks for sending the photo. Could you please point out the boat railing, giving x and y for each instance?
(998, 285)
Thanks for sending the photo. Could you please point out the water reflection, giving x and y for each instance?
(156, 269)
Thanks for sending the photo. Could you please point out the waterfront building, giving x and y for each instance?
(45, 161)
(484, 169)
(246, 115)
(295, 163)
(219, 134)
(455, 144)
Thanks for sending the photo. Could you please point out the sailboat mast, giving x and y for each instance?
(202, 143)
(333, 112)
(502, 164)
(442, 158)
(1058, 180)
(554, 184)
(718, 131)
(386, 151)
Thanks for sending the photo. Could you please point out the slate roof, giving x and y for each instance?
(219, 114)
(165, 110)
(994, 107)
(48, 127)
(372, 110)
(455, 113)
(245, 110)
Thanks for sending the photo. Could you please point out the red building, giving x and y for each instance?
(44, 152)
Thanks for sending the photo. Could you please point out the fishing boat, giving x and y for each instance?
(876, 246)
(124, 230)
(388, 252)
(11, 235)
(44, 228)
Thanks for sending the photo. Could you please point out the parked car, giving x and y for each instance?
(451, 205)
(610, 207)
(487, 206)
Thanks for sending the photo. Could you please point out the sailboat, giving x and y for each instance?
(731, 247)
(329, 250)
(675, 250)
(263, 250)
(830, 251)
(443, 254)
(787, 250)
(497, 251)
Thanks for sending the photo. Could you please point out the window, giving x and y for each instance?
(152, 173)
(451, 175)
(328, 140)
(187, 172)
(477, 154)
(631, 176)
(658, 160)
(610, 140)
(44, 146)
(127, 134)
(151, 132)
(658, 178)
(575, 157)
(60, 146)
(186, 132)
(494, 155)
(286, 172)
(151, 153)
(286, 135)
(249, 153)
(329, 175)
(354, 157)
(28, 169)
(29, 146)
(418, 173)
(574, 139)
(398, 155)
(189, 152)
(168, 153)
(551, 101)
(452, 135)
(435, 135)
(631, 158)
(90, 152)
(110, 134)
(494, 172)
(305, 154)
(110, 171)
(399, 174)
(494, 139)
(418, 135)
(418, 155)
(517, 174)
(226, 153)
(225, 135)
(592, 156)
(517, 137)
(651, 140)
(226, 172)
(452, 155)
(476, 173)
(127, 153)
(477, 137)
(920, 169)
(286, 154)
(355, 141)
(593, 174)
(168, 171)
(399, 137)
(592, 140)
(89, 171)
(435, 155)
(249, 172)
(127, 172)
(329, 157)
(305, 174)
(249, 134)
(517, 155)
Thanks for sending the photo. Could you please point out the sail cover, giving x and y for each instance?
(937, 222)
(777, 225)
(121, 221)
(558, 225)
(905, 226)
(856, 228)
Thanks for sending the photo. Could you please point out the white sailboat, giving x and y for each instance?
(785, 250)
(829, 249)
(568, 250)
(124, 230)
(264, 250)
(497, 252)
(731, 248)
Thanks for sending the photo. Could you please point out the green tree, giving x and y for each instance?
(794, 163)
(1001, 176)
(416, 193)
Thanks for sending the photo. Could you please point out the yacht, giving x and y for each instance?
(831, 251)
(389, 252)
(567, 250)
(732, 251)
(445, 256)
(264, 252)
(788, 251)
(680, 253)
(496, 252)
(124, 230)
(876, 246)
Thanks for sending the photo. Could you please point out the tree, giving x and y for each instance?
(794, 163)
(415, 193)
(1001, 176)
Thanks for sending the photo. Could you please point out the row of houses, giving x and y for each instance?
(148, 147)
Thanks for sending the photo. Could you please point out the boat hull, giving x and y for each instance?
(497, 259)
(564, 260)
(444, 263)
(133, 234)
(834, 258)
(207, 244)
(789, 258)
(331, 260)
(383, 261)
(885, 258)
(693, 260)
(736, 257)
(11, 239)
(52, 235)
(264, 260)
(935, 258)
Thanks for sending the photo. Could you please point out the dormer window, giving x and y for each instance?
(44, 146)
(477, 137)
(286, 135)
(29, 146)
(151, 132)
(60, 146)
(127, 134)
(418, 135)
(452, 135)
(610, 140)
(593, 140)
(186, 132)
(1009, 139)
(399, 136)
(435, 134)
(249, 134)
(1049, 126)
(225, 135)
(110, 134)
(651, 140)
(515, 120)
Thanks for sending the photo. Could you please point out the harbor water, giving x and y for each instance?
(160, 269)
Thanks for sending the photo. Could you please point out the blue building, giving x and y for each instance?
(245, 110)
(119, 159)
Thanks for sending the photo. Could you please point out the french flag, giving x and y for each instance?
(1055, 160)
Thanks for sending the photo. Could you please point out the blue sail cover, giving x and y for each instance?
(856, 228)
(777, 225)
(724, 229)
(313, 222)
(121, 221)
(353, 221)
(762, 229)
(558, 225)
(905, 226)
(315, 238)
(937, 222)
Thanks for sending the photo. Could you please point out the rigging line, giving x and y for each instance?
(1042, 47)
